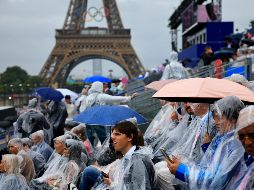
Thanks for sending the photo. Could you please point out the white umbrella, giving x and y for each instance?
(66, 91)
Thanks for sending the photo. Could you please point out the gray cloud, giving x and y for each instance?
(28, 28)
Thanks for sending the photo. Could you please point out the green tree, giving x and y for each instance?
(17, 80)
(14, 75)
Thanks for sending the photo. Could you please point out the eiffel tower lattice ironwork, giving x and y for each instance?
(76, 43)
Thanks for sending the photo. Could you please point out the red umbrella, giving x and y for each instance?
(205, 90)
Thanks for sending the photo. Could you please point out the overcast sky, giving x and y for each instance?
(27, 28)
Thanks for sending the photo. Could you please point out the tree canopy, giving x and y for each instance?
(14, 75)
(15, 79)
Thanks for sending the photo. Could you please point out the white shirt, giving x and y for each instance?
(127, 157)
(129, 153)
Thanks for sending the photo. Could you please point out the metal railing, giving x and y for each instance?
(243, 67)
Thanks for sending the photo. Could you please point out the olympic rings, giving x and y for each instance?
(95, 14)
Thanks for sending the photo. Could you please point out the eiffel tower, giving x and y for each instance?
(76, 43)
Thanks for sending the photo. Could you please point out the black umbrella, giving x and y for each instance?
(224, 53)
(248, 42)
(236, 36)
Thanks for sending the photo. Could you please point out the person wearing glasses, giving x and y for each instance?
(244, 179)
(222, 159)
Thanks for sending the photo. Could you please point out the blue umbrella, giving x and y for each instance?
(96, 78)
(48, 93)
(108, 115)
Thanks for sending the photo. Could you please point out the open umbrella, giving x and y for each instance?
(49, 94)
(224, 53)
(248, 42)
(206, 90)
(66, 91)
(108, 115)
(97, 78)
(157, 85)
(237, 36)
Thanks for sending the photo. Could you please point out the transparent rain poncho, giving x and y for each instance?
(38, 161)
(224, 153)
(170, 139)
(71, 170)
(57, 114)
(27, 166)
(30, 122)
(12, 179)
(42, 148)
(55, 164)
(137, 173)
(97, 97)
(189, 148)
(76, 147)
(75, 164)
(105, 154)
(111, 169)
(159, 125)
(174, 69)
(246, 118)
(240, 79)
(252, 85)
(244, 178)
(37, 158)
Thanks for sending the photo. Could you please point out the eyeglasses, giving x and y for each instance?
(246, 136)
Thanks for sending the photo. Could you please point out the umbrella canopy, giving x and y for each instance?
(225, 53)
(50, 94)
(248, 42)
(157, 85)
(205, 90)
(237, 36)
(97, 78)
(66, 91)
(108, 115)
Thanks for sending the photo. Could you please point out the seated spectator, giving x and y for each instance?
(70, 172)
(56, 161)
(244, 178)
(12, 179)
(134, 171)
(69, 124)
(15, 146)
(222, 157)
(40, 146)
(38, 159)
(80, 131)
